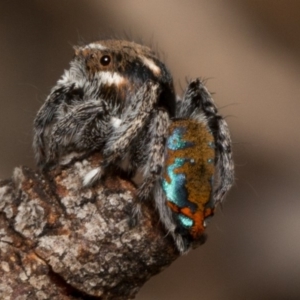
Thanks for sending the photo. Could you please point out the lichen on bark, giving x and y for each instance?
(59, 240)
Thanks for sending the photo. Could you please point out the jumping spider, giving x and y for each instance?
(118, 98)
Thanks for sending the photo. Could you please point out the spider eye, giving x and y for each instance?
(105, 60)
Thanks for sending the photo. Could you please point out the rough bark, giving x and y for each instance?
(61, 241)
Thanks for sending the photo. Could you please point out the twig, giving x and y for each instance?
(61, 241)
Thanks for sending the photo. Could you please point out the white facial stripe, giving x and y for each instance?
(110, 78)
(95, 46)
(151, 65)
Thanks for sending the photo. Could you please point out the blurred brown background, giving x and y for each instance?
(250, 51)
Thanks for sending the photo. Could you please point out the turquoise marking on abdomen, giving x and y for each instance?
(175, 190)
(175, 141)
(185, 221)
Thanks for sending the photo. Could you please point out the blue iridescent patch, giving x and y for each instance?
(185, 221)
(175, 141)
(176, 191)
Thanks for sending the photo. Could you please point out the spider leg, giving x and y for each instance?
(191, 104)
(153, 161)
(224, 159)
(135, 119)
(84, 128)
(199, 105)
(48, 114)
(123, 133)
(158, 131)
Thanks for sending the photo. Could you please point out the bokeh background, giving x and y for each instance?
(250, 53)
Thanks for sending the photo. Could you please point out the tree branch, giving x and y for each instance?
(60, 241)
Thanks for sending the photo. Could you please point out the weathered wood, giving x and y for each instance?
(61, 241)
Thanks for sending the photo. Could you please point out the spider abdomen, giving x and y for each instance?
(187, 179)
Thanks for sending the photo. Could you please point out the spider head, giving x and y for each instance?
(116, 70)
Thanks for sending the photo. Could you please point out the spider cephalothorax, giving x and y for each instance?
(118, 98)
(107, 97)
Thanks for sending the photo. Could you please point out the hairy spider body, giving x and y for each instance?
(113, 92)
(118, 98)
